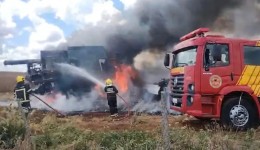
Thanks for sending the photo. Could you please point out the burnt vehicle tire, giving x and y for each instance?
(238, 117)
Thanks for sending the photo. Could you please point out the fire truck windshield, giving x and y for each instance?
(185, 57)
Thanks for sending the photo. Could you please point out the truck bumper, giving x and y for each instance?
(193, 108)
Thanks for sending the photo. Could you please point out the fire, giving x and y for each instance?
(122, 77)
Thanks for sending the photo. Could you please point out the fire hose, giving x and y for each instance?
(127, 105)
(48, 105)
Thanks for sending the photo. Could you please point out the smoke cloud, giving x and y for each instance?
(151, 24)
(241, 22)
(247, 19)
(141, 34)
(149, 63)
(87, 103)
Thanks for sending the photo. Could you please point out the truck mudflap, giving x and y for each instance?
(192, 105)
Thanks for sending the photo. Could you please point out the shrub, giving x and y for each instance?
(11, 129)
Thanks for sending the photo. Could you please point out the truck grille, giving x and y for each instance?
(177, 82)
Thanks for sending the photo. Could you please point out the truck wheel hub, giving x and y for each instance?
(239, 115)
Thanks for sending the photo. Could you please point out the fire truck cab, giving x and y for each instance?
(214, 77)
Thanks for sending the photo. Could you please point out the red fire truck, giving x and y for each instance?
(216, 77)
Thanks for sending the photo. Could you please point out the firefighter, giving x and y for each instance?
(21, 93)
(111, 91)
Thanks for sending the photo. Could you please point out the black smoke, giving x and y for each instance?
(163, 23)
(157, 24)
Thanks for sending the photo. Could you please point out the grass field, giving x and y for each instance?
(92, 131)
(102, 132)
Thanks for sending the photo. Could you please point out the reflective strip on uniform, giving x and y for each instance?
(21, 90)
(25, 101)
(22, 101)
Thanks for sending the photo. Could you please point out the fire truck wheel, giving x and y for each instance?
(238, 117)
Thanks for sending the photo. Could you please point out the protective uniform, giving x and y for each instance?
(111, 91)
(21, 93)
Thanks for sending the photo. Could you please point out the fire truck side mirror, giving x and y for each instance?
(167, 61)
(206, 60)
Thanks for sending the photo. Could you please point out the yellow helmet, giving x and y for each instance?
(19, 79)
(109, 82)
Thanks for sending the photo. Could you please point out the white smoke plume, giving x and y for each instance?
(148, 105)
(150, 65)
(87, 103)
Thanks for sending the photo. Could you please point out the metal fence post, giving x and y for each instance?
(165, 122)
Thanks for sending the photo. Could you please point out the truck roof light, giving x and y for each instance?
(198, 32)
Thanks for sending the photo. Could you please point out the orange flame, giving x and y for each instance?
(122, 77)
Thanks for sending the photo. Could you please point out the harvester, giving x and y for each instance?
(48, 76)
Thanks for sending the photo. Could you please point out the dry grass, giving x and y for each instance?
(102, 132)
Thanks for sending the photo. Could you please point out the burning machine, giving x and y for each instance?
(44, 72)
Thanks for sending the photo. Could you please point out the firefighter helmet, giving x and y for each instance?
(109, 82)
(19, 79)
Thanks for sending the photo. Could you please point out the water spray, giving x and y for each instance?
(70, 69)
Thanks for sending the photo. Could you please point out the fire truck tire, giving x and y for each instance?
(238, 117)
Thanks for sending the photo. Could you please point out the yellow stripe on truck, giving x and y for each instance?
(256, 90)
(251, 77)
(240, 78)
(253, 87)
(247, 75)
(254, 75)
(257, 80)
